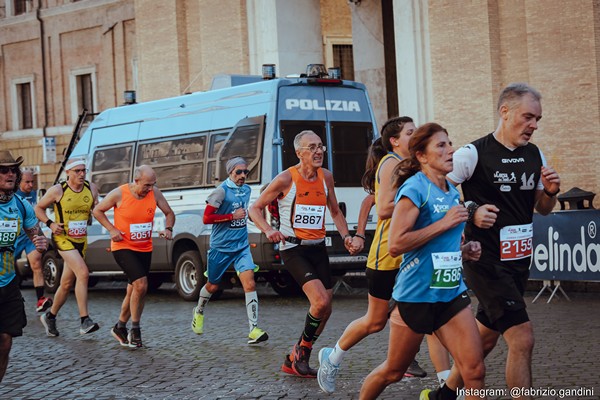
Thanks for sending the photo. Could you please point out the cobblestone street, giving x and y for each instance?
(177, 364)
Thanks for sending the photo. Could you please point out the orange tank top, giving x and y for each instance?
(135, 218)
(302, 209)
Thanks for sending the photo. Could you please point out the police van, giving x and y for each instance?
(187, 141)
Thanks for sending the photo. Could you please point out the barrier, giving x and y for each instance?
(566, 247)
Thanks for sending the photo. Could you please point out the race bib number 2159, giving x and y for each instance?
(516, 242)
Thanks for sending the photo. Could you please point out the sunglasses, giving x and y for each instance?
(6, 170)
(242, 171)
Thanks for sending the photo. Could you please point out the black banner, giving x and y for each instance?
(566, 246)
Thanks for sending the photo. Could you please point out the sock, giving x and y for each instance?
(310, 328)
(443, 376)
(135, 325)
(315, 337)
(252, 309)
(203, 300)
(445, 393)
(337, 355)
(121, 324)
(50, 315)
(83, 318)
(39, 292)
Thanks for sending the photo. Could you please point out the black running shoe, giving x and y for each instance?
(121, 335)
(415, 370)
(300, 363)
(135, 338)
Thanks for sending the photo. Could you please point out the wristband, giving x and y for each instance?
(363, 237)
(471, 208)
(169, 228)
(49, 222)
(551, 194)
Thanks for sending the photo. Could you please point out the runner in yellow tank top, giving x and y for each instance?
(72, 202)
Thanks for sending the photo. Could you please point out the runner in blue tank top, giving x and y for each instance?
(226, 209)
(426, 227)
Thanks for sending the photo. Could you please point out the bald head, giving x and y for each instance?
(144, 180)
(26, 184)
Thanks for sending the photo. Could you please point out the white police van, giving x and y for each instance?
(187, 141)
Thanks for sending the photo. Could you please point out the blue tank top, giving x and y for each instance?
(232, 235)
(12, 222)
(433, 272)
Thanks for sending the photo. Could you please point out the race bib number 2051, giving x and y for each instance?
(140, 231)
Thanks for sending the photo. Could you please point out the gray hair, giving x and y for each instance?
(512, 94)
(299, 137)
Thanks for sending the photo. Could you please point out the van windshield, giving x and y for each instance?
(347, 145)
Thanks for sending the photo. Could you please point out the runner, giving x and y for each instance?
(131, 243)
(14, 216)
(307, 190)
(72, 201)
(226, 209)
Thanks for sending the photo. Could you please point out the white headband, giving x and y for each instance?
(74, 164)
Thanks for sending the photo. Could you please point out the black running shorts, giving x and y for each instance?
(306, 263)
(135, 264)
(499, 289)
(381, 283)
(12, 309)
(429, 317)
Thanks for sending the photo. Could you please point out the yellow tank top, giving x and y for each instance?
(379, 258)
(74, 210)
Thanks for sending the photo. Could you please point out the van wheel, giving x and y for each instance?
(52, 267)
(284, 284)
(189, 275)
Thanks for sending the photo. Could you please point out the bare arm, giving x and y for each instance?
(52, 196)
(363, 215)
(402, 238)
(164, 206)
(280, 184)
(386, 192)
(111, 200)
(544, 202)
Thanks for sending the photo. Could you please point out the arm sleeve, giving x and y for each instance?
(210, 216)
(464, 160)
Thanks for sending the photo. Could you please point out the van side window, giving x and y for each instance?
(178, 162)
(245, 141)
(349, 144)
(217, 139)
(111, 167)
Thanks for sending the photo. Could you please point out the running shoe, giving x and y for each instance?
(256, 335)
(135, 338)
(287, 365)
(327, 372)
(300, 362)
(49, 324)
(415, 370)
(43, 304)
(198, 323)
(121, 335)
(427, 394)
(88, 326)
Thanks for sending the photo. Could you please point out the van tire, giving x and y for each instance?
(52, 267)
(189, 275)
(284, 284)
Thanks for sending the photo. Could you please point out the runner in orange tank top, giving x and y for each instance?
(131, 243)
(307, 190)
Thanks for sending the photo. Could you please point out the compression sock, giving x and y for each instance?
(252, 309)
(203, 300)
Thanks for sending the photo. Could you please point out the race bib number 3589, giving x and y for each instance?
(8, 232)
(516, 242)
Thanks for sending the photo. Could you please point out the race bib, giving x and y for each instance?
(138, 232)
(308, 217)
(8, 232)
(77, 229)
(447, 270)
(516, 242)
(237, 223)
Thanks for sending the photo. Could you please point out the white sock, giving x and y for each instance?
(443, 376)
(337, 355)
(203, 300)
(252, 309)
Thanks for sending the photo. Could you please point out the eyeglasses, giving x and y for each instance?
(314, 147)
(242, 171)
(6, 170)
(79, 171)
